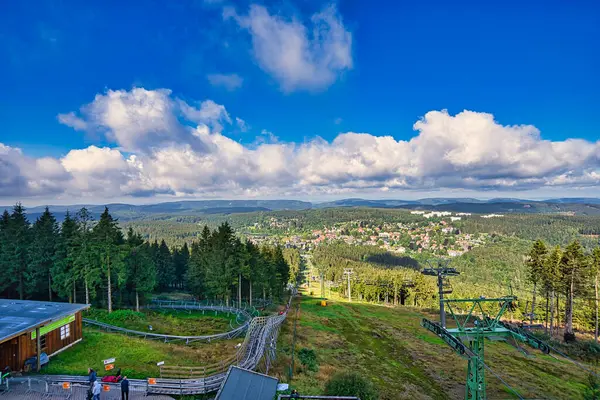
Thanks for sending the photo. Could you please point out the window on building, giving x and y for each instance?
(43, 342)
(65, 331)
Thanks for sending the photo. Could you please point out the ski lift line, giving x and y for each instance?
(503, 381)
(572, 360)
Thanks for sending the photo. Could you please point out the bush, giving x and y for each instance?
(308, 358)
(351, 384)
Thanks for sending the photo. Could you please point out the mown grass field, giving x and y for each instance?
(136, 357)
(405, 361)
(173, 322)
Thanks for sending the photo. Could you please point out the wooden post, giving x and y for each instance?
(38, 347)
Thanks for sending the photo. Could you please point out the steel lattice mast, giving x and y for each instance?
(442, 272)
(467, 339)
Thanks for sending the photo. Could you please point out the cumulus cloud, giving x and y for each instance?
(298, 55)
(139, 119)
(469, 150)
(230, 82)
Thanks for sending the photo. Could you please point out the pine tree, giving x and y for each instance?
(86, 265)
(573, 271)
(139, 267)
(292, 258)
(551, 281)
(64, 276)
(224, 260)
(42, 252)
(5, 251)
(164, 266)
(253, 267)
(181, 258)
(196, 274)
(19, 235)
(535, 267)
(108, 240)
(595, 271)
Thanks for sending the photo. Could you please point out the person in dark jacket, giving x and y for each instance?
(91, 376)
(125, 389)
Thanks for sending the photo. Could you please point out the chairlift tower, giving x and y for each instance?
(348, 272)
(440, 269)
(467, 339)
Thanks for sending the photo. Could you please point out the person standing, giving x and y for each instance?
(91, 376)
(96, 390)
(125, 389)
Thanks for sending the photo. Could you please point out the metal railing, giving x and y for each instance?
(260, 341)
(243, 316)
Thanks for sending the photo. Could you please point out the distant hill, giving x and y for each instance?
(200, 207)
(125, 212)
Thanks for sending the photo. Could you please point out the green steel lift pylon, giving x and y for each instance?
(467, 339)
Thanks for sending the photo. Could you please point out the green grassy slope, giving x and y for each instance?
(136, 357)
(172, 322)
(405, 361)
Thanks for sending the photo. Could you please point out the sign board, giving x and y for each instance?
(106, 388)
(152, 381)
(54, 325)
(66, 385)
(158, 364)
(110, 361)
(108, 367)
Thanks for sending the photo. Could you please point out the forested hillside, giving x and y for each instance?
(83, 260)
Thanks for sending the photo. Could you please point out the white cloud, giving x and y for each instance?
(466, 151)
(70, 119)
(244, 127)
(299, 56)
(139, 119)
(230, 82)
(209, 113)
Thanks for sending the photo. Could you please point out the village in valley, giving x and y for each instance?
(437, 232)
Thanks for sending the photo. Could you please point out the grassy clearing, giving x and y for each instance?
(404, 360)
(136, 357)
(173, 322)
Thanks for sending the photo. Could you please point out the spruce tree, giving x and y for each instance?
(595, 271)
(139, 267)
(164, 266)
(551, 281)
(86, 264)
(42, 252)
(573, 271)
(107, 242)
(535, 266)
(19, 242)
(64, 275)
(181, 258)
(196, 274)
(5, 251)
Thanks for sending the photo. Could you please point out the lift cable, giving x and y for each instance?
(504, 382)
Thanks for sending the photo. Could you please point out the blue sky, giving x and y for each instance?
(375, 69)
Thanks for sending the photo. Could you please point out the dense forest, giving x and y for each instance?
(96, 262)
(377, 275)
(553, 229)
(556, 286)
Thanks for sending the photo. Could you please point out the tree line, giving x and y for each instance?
(377, 276)
(565, 275)
(82, 259)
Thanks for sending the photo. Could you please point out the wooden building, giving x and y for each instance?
(28, 326)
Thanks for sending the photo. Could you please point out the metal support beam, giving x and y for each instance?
(348, 272)
(441, 296)
(476, 371)
(38, 347)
